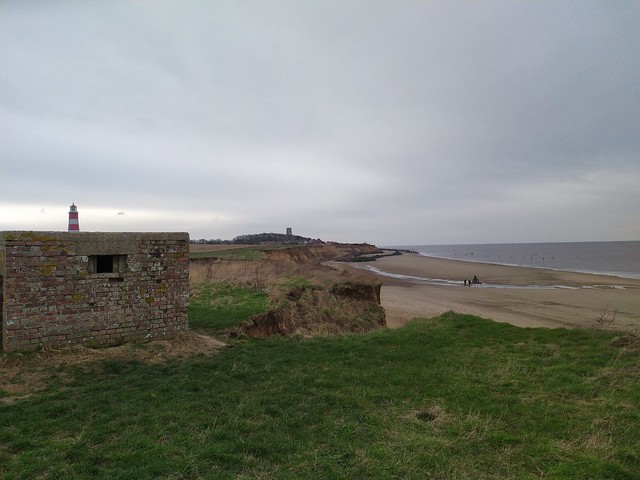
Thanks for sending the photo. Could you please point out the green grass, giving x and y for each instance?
(217, 306)
(249, 253)
(296, 281)
(456, 397)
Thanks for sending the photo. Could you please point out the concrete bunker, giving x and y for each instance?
(91, 288)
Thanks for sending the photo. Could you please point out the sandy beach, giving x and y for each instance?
(528, 297)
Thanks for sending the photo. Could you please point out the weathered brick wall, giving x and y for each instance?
(56, 291)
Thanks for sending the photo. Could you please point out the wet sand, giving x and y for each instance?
(523, 296)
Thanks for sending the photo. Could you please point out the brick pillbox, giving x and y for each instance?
(90, 288)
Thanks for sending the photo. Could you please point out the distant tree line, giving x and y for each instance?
(263, 238)
(211, 241)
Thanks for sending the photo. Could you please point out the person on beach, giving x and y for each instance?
(475, 280)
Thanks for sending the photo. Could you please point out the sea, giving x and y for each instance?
(621, 259)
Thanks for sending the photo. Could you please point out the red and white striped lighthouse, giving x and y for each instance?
(74, 226)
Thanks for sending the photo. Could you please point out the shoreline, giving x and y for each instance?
(625, 275)
(416, 285)
(619, 258)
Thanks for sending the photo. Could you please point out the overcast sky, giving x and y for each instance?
(392, 122)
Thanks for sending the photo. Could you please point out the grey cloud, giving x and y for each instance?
(417, 122)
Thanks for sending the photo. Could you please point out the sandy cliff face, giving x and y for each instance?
(313, 310)
(331, 303)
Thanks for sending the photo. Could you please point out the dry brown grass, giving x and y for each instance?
(317, 312)
(24, 373)
(300, 295)
(270, 273)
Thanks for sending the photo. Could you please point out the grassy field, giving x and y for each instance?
(232, 252)
(455, 397)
